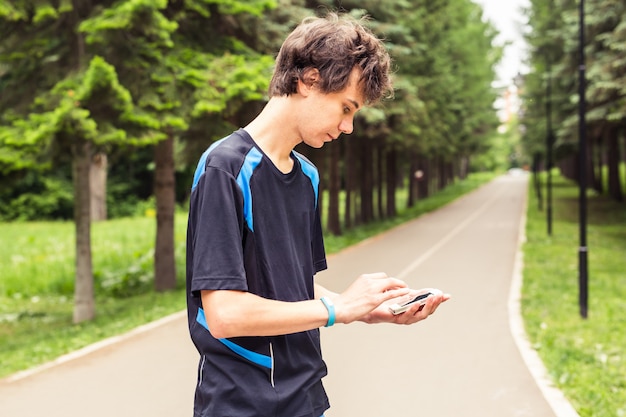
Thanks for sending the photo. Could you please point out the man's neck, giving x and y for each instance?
(274, 131)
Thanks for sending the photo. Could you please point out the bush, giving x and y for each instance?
(36, 197)
(135, 280)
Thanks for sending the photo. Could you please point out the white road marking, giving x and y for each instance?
(433, 249)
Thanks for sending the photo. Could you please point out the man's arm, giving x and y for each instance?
(239, 313)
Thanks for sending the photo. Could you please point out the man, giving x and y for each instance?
(255, 241)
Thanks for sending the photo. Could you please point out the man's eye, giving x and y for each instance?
(346, 110)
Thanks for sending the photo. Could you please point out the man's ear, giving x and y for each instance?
(309, 81)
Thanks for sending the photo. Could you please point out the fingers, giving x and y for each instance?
(391, 288)
(433, 303)
(366, 294)
(366, 300)
(383, 287)
(419, 313)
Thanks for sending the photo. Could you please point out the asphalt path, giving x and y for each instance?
(465, 360)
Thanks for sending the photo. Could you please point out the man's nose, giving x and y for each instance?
(346, 126)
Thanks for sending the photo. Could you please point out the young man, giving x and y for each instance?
(254, 236)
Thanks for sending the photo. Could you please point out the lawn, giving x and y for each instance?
(36, 286)
(584, 357)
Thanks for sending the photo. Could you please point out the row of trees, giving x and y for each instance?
(82, 80)
(551, 114)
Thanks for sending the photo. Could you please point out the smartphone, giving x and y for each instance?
(401, 308)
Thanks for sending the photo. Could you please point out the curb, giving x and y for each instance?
(94, 347)
(555, 398)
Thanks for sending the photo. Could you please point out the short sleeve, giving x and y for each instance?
(216, 229)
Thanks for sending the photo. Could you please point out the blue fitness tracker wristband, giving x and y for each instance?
(331, 310)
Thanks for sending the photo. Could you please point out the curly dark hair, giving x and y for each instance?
(334, 45)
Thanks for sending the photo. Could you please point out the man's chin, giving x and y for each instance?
(316, 144)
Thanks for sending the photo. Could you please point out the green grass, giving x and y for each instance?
(36, 286)
(39, 256)
(37, 273)
(585, 358)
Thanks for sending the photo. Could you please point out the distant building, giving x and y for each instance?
(508, 104)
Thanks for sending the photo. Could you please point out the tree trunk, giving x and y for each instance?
(84, 303)
(413, 167)
(164, 192)
(423, 177)
(613, 162)
(623, 154)
(450, 176)
(333, 188)
(592, 181)
(367, 206)
(392, 171)
(349, 173)
(537, 180)
(441, 171)
(357, 180)
(464, 167)
(595, 149)
(568, 166)
(380, 179)
(98, 181)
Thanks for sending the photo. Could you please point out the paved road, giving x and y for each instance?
(463, 361)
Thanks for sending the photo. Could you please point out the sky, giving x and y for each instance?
(507, 18)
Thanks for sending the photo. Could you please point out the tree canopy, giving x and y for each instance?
(551, 89)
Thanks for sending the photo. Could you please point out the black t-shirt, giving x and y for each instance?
(253, 228)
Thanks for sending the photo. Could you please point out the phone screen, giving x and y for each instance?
(416, 299)
(421, 299)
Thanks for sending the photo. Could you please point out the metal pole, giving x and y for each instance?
(582, 152)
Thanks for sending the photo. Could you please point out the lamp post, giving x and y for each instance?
(582, 169)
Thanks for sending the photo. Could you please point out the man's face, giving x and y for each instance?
(327, 115)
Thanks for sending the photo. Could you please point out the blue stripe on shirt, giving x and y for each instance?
(202, 163)
(253, 159)
(311, 172)
(262, 360)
